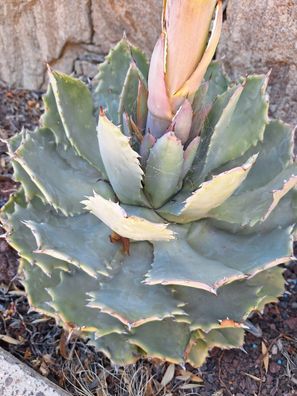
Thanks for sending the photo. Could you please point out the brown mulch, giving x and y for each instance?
(267, 365)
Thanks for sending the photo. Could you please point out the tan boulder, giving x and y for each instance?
(261, 35)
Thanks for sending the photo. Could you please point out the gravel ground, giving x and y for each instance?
(265, 366)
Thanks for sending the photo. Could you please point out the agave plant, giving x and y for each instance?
(158, 232)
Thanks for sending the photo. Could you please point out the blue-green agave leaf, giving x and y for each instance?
(242, 124)
(275, 154)
(164, 339)
(109, 82)
(125, 296)
(21, 239)
(121, 162)
(75, 106)
(19, 174)
(37, 283)
(51, 118)
(233, 301)
(117, 348)
(252, 207)
(211, 194)
(207, 258)
(82, 241)
(51, 167)
(163, 169)
(69, 298)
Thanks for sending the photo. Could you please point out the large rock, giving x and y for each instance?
(139, 19)
(58, 32)
(36, 32)
(261, 35)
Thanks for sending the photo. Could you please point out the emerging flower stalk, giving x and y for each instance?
(179, 62)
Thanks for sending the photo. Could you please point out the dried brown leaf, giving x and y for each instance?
(169, 373)
(252, 377)
(9, 340)
(63, 345)
(196, 378)
(190, 386)
(265, 356)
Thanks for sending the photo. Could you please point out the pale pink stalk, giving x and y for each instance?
(181, 57)
(187, 24)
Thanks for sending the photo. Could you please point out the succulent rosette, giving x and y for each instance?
(153, 211)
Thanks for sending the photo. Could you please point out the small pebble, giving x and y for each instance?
(274, 368)
(274, 350)
(294, 305)
(279, 345)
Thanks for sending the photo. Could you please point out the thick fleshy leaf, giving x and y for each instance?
(64, 238)
(189, 156)
(211, 194)
(191, 85)
(255, 206)
(125, 296)
(284, 215)
(217, 81)
(177, 263)
(132, 227)
(51, 118)
(274, 155)
(201, 343)
(30, 188)
(233, 301)
(187, 260)
(247, 253)
(163, 169)
(225, 338)
(121, 162)
(37, 283)
(158, 101)
(69, 298)
(242, 124)
(200, 110)
(19, 174)
(129, 94)
(21, 239)
(74, 103)
(109, 82)
(187, 26)
(117, 348)
(51, 167)
(195, 177)
(165, 339)
(198, 352)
